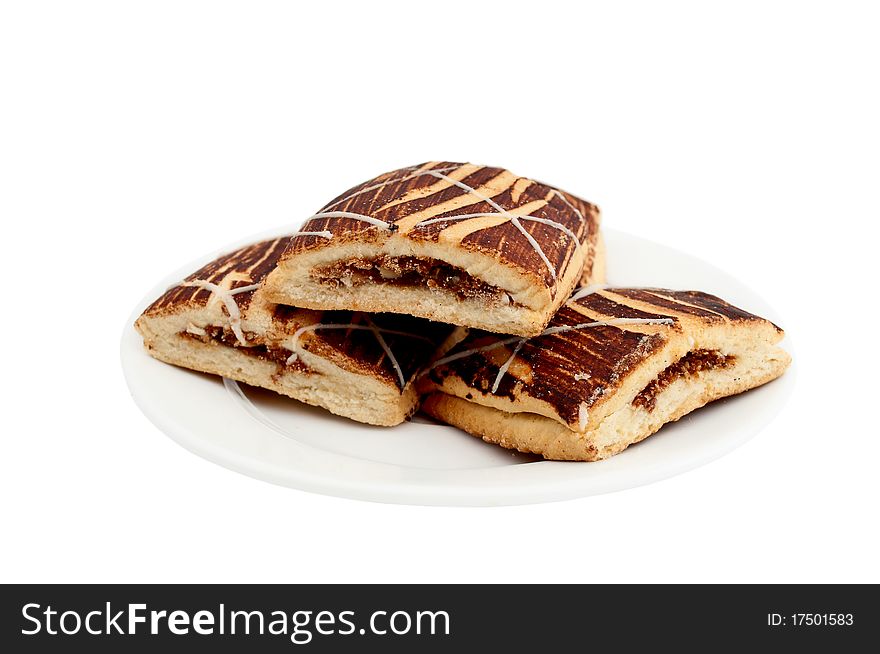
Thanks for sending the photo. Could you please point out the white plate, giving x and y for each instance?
(282, 441)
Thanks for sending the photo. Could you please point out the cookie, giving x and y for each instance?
(475, 246)
(611, 369)
(219, 321)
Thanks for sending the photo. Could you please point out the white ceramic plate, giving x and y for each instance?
(282, 441)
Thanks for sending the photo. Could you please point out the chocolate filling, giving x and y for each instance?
(409, 271)
(690, 364)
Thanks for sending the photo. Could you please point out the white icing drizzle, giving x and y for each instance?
(583, 416)
(354, 216)
(195, 329)
(514, 219)
(469, 189)
(550, 330)
(466, 353)
(387, 183)
(584, 291)
(503, 369)
(378, 334)
(371, 326)
(609, 323)
(536, 219)
(464, 216)
(581, 376)
(531, 239)
(552, 223)
(325, 234)
(227, 297)
(577, 211)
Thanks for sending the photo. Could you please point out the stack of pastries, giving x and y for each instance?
(474, 294)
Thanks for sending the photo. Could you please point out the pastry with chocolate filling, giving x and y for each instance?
(613, 367)
(218, 321)
(470, 245)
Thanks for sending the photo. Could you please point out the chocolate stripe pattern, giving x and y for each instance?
(246, 267)
(487, 209)
(390, 347)
(590, 347)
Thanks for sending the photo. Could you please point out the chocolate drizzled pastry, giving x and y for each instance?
(470, 245)
(218, 321)
(612, 367)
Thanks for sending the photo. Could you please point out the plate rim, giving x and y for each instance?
(434, 494)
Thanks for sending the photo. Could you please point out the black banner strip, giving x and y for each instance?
(427, 618)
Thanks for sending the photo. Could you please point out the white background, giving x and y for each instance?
(135, 137)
